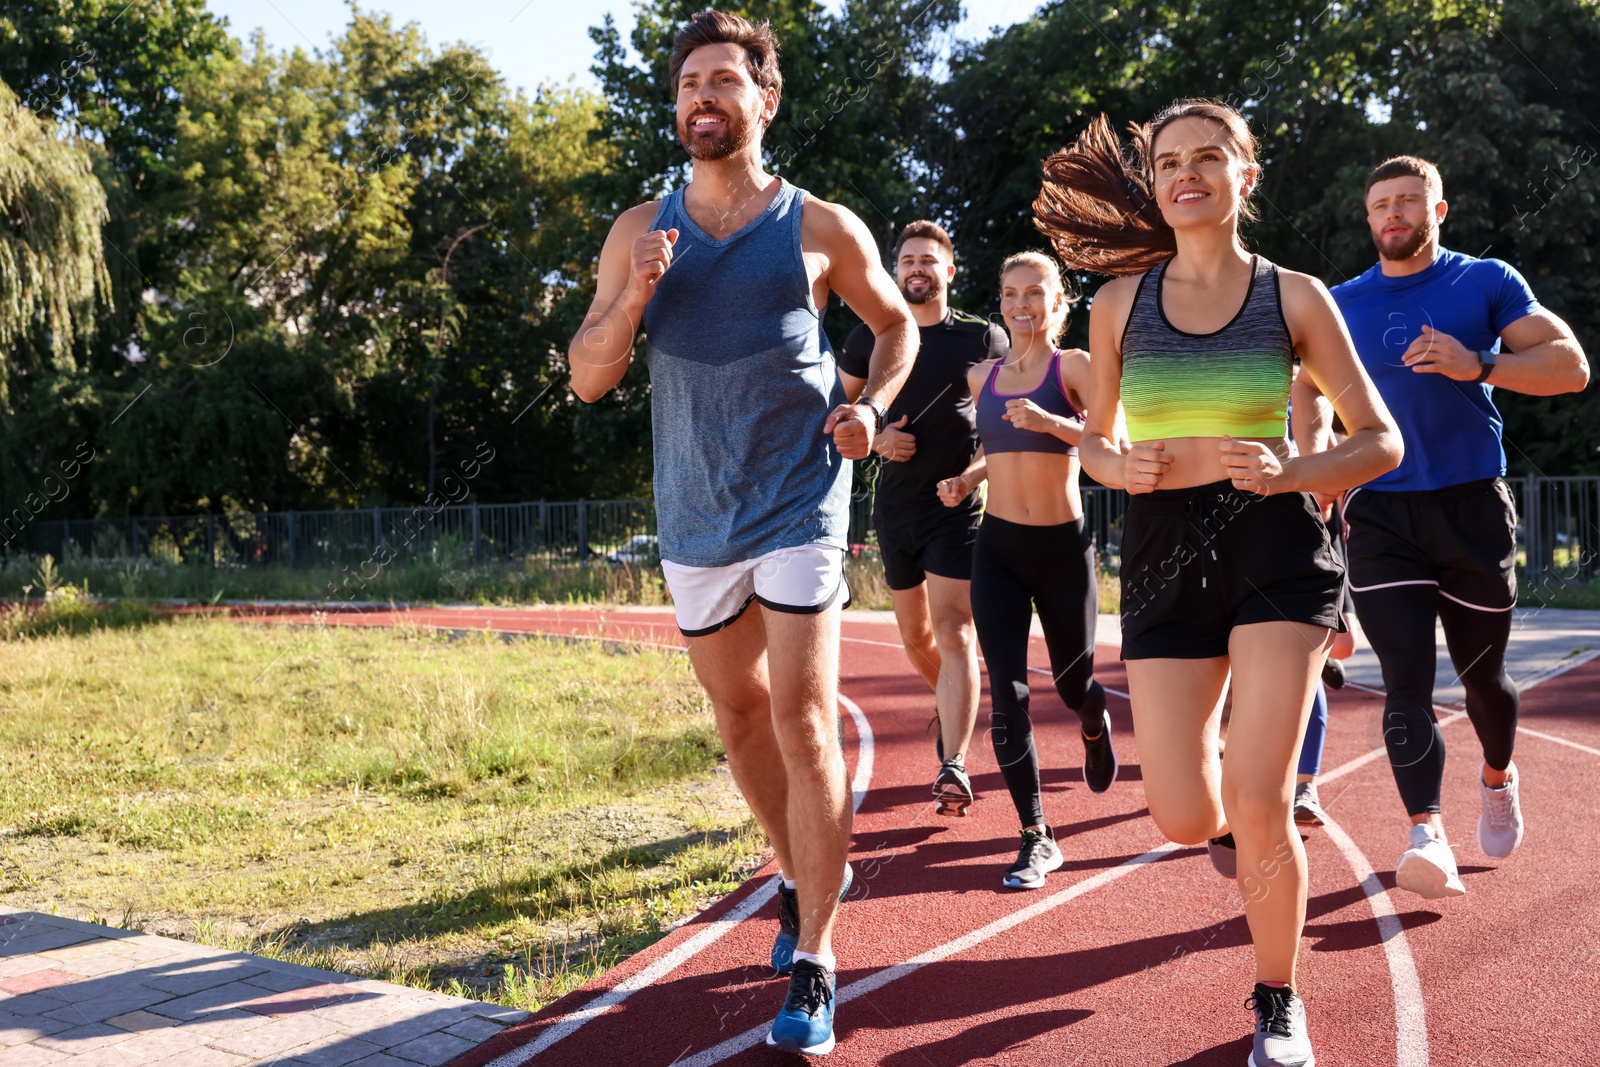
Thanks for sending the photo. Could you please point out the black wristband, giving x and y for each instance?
(1486, 363)
(878, 412)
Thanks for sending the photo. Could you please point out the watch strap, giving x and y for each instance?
(1486, 361)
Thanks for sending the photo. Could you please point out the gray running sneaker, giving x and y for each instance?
(1039, 856)
(1281, 1039)
(1307, 807)
(1224, 855)
(1500, 825)
(1428, 867)
(952, 789)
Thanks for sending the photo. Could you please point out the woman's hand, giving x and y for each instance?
(1024, 414)
(952, 491)
(1144, 466)
(1251, 465)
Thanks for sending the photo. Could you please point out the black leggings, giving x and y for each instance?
(1399, 624)
(1014, 569)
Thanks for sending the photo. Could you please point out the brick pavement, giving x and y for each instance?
(80, 995)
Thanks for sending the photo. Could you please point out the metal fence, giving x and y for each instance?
(1558, 536)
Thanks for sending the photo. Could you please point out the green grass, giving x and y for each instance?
(495, 819)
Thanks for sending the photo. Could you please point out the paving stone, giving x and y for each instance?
(389, 1033)
(34, 981)
(29, 1056)
(229, 1022)
(498, 1012)
(82, 1038)
(38, 938)
(311, 973)
(184, 977)
(158, 1044)
(19, 1030)
(476, 1030)
(95, 966)
(148, 949)
(77, 952)
(294, 1001)
(140, 1021)
(23, 964)
(382, 1060)
(277, 1037)
(433, 1050)
(279, 982)
(333, 1051)
(228, 995)
(118, 999)
(366, 1011)
(201, 1057)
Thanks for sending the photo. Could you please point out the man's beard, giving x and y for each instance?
(735, 137)
(1411, 246)
(935, 287)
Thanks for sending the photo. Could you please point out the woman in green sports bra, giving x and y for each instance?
(1226, 566)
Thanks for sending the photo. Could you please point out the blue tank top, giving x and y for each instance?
(998, 435)
(741, 380)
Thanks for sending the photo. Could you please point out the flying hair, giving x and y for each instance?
(1097, 203)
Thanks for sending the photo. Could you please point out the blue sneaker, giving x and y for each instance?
(805, 1025)
(789, 923)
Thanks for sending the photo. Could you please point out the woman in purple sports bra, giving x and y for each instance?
(1032, 550)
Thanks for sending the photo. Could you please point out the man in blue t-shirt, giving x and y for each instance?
(1436, 537)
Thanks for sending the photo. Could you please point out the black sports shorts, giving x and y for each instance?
(1461, 539)
(1197, 562)
(918, 541)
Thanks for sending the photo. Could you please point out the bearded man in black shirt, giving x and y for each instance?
(930, 434)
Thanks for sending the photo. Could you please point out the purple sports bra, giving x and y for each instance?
(998, 435)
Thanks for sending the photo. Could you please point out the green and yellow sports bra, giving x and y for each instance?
(1234, 381)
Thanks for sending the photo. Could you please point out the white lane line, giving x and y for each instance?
(1411, 1025)
(1558, 740)
(878, 979)
(569, 1024)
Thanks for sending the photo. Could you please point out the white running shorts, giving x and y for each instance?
(806, 580)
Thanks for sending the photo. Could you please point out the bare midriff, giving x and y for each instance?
(1198, 460)
(1033, 488)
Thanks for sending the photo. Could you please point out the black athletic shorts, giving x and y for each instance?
(1462, 539)
(916, 542)
(1197, 562)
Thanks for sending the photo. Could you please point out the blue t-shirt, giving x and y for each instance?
(1451, 429)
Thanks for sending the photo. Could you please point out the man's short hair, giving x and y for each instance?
(717, 27)
(930, 230)
(1408, 167)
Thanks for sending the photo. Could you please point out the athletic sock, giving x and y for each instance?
(1269, 985)
(788, 883)
(827, 962)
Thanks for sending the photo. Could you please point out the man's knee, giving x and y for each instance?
(955, 635)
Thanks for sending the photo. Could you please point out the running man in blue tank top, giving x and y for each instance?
(753, 441)
(1436, 536)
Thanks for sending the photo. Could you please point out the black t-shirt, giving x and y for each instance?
(937, 400)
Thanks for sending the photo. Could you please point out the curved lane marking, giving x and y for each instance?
(566, 1025)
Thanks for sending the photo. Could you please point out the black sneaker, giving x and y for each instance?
(952, 789)
(1100, 758)
(1281, 1039)
(1333, 674)
(1224, 855)
(1038, 857)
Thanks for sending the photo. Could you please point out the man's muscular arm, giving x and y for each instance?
(633, 260)
(855, 273)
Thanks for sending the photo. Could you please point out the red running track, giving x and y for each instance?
(1135, 952)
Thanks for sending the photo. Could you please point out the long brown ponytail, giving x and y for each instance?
(1098, 206)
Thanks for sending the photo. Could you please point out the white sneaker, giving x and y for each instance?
(1500, 825)
(1428, 867)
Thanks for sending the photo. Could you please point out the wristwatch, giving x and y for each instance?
(878, 412)
(1486, 358)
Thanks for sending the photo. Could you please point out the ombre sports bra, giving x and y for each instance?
(1233, 382)
(998, 435)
